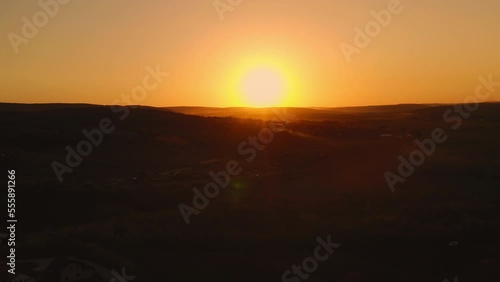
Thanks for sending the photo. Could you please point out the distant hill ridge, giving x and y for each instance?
(316, 113)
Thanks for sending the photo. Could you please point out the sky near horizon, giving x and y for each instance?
(95, 51)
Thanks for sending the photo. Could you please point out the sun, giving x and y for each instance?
(263, 87)
(261, 80)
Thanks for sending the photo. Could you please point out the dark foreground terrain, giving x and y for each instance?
(321, 175)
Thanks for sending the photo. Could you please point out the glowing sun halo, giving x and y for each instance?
(263, 87)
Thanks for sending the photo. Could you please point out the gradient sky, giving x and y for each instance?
(92, 51)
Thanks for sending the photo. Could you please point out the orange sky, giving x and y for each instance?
(94, 51)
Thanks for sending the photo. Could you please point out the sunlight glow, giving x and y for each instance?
(263, 87)
(260, 80)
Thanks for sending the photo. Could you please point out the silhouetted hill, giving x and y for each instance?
(322, 174)
(40, 107)
(319, 114)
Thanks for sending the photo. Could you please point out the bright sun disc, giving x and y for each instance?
(263, 87)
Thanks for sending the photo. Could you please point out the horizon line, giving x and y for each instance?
(246, 107)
